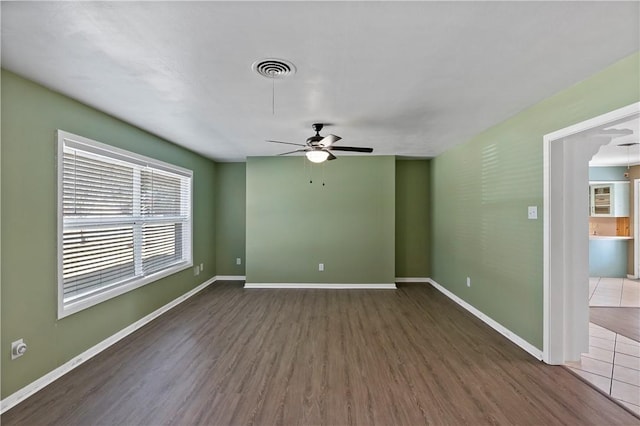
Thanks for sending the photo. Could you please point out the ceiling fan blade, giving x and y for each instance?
(329, 140)
(286, 143)
(350, 148)
(331, 156)
(291, 152)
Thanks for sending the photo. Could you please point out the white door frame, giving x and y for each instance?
(636, 229)
(565, 239)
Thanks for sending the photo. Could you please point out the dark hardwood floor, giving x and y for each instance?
(231, 356)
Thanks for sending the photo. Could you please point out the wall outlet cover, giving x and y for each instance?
(18, 348)
(532, 212)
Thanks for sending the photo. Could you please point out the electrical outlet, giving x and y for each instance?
(532, 212)
(18, 348)
(468, 282)
(196, 271)
(320, 267)
(201, 267)
(238, 261)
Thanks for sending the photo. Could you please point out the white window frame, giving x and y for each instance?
(86, 144)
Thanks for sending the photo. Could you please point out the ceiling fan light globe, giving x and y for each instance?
(317, 156)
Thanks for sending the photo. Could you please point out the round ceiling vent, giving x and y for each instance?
(274, 68)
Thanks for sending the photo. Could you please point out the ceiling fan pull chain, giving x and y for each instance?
(323, 173)
(273, 97)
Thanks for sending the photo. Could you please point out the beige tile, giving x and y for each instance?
(594, 280)
(603, 333)
(630, 286)
(599, 354)
(604, 301)
(627, 341)
(602, 383)
(594, 366)
(627, 361)
(625, 392)
(592, 289)
(631, 283)
(630, 298)
(623, 348)
(633, 407)
(609, 287)
(626, 375)
(630, 303)
(610, 281)
(601, 343)
(608, 291)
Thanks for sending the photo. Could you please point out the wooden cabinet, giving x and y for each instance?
(609, 199)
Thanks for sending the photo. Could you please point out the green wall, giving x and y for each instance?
(480, 194)
(30, 116)
(412, 219)
(230, 218)
(348, 224)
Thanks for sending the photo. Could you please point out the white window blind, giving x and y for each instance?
(125, 221)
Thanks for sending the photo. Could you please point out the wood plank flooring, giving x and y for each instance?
(231, 356)
(625, 321)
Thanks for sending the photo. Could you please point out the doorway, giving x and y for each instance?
(612, 361)
(566, 154)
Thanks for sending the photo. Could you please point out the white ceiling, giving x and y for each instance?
(613, 154)
(407, 78)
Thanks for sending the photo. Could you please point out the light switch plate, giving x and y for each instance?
(532, 212)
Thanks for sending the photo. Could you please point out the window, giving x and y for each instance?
(124, 220)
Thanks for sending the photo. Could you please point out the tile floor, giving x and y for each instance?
(620, 292)
(613, 361)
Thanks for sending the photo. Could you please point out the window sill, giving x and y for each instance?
(69, 308)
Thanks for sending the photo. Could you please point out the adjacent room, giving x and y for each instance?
(334, 213)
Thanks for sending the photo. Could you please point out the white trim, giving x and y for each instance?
(117, 155)
(100, 148)
(558, 300)
(412, 280)
(362, 286)
(528, 347)
(230, 278)
(72, 307)
(636, 230)
(22, 394)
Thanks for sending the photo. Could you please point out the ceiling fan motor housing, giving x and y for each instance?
(314, 140)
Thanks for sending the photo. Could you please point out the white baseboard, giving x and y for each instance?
(412, 280)
(230, 278)
(391, 286)
(532, 350)
(22, 394)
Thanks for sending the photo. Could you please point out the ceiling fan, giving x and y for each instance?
(318, 148)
